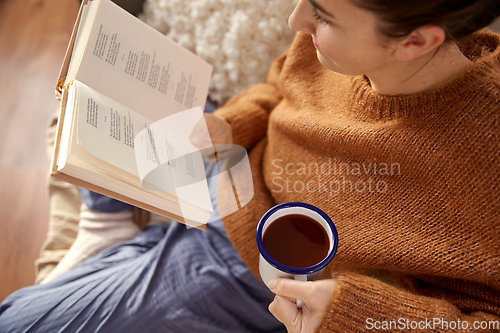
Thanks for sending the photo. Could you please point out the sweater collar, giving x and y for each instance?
(482, 48)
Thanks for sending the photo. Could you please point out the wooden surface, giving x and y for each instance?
(33, 39)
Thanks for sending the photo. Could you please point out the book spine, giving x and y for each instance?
(69, 51)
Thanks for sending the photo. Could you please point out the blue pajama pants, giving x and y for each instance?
(166, 279)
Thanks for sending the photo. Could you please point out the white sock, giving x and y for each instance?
(96, 231)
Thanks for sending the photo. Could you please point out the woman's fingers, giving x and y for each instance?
(291, 288)
(219, 130)
(286, 311)
(316, 296)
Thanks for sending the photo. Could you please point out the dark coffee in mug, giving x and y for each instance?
(296, 240)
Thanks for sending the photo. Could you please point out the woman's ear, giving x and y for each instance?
(421, 41)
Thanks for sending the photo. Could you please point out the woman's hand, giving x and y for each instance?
(316, 296)
(219, 130)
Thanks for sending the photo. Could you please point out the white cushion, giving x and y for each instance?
(240, 38)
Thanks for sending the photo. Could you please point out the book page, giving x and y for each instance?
(166, 144)
(106, 129)
(158, 156)
(66, 129)
(129, 61)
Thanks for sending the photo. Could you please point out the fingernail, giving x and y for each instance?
(196, 141)
(272, 284)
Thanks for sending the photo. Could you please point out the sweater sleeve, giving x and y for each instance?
(248, 112)
(363, 304)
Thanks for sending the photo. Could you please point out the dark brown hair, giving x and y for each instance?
(458, 18)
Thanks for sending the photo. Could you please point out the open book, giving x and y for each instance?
(130, 99)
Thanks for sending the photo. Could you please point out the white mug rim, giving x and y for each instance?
(294, 270)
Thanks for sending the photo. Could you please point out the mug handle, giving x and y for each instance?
(300, 278)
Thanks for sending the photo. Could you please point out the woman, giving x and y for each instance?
(405, 123)
(393, 133)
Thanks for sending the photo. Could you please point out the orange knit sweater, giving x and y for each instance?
(412, 184)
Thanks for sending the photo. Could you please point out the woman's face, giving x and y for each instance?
(344, 36)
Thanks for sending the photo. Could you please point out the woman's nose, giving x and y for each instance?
(301, 18)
